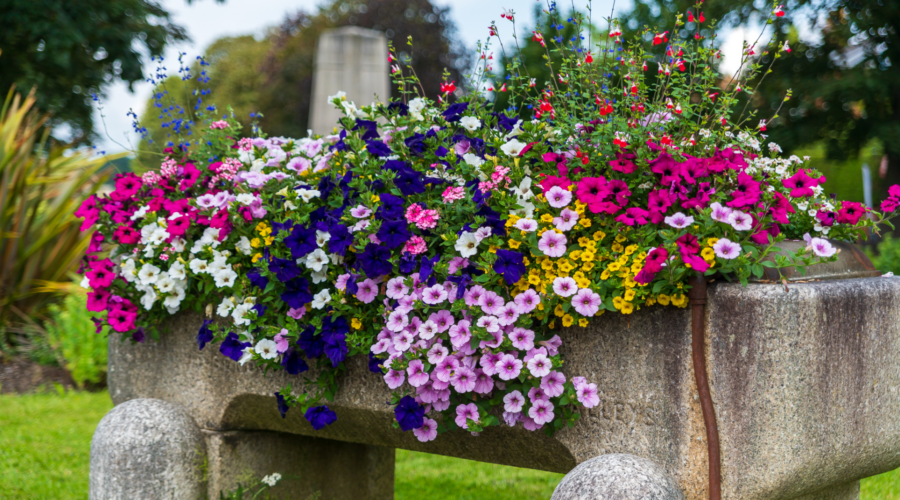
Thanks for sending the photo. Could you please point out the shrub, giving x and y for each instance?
(888, 258)
(75, 340)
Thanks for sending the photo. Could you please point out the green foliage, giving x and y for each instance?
(73, 336)
(70, 50)
(41, 185)
(887, 256)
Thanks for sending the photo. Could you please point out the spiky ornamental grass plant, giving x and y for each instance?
(448, 242)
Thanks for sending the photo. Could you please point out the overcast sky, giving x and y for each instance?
(206, 21)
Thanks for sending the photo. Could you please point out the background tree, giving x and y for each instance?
(69, 50)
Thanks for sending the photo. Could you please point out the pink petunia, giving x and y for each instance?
(443, 319)
(416, 373)
(508, 367)
(587, 395)
(566, 220)
(539, 365)
(367, 291)
(394, 379)
(434, 295)
(460, 334)
(553, 383)
(297, 313)
(445, 369)
(397, 321)
(483, 382)
(552, 244)
(586, 302)
(473, 295)
(488, 362)
(527, 225)
(513, 402)
(427, 432)
(740, 221)
(427, 330)
(558, 197)
(281, 341)
(509, 314)
(679, 221)
(527, 301)
(541, 412)
(437, 353)
(522, 338)
(727, 249)
(822, 247)
(552, 345)
(465, 413)
(490, 303)
(720, 213)
(489, 323)
(565, 286)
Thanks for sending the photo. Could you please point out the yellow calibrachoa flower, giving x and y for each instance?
(604, 275)
(617, 247)
(583, 322)
(708, 254)
(559, 311)
(512, 220)
(567, 320)
(492, 249)
(599, 235)
(587, 256)
(256, 257)
(679, 300)
(575, 255)
(588, 266)
(514, 245)
(630, 249)
(583, 282)
(269, 240)
(356, 323)
(614, 266)
(627, 308)
(620, 238)
(711, 241)
(263, 229)
(585, 223)
(650, 301)
(564, 266)
(547, 265)
(547, 218)
(618, 302)
(629, 282)
(629, 295)
(551, 325)
(663, 299)
(255, 243)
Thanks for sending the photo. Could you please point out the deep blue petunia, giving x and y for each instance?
(375, 364)
(232, 347)
(205, 335)
(391, 207)
(284, 269)
(369, 128)
(278, 227)
(340, 240)
(376, 260)
(311, 343)
(296, 293)
(320, 416)
(409, 414)
(378, 148)
(399, 108)
(301, 241)
(409, 182)
(293, 363)
(260, 310)
(282, 404)
(335, 347)
(407, 263)
(415, 143)
(257, 279)
(427, 267)
(454, 112)
(393, 233)
(326, 185)
(462, 281)
(510, 264)
(352, 286)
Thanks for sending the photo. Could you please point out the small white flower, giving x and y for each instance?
(85, 283)
(128, 270)
(176, 271)
(470, 123)
(148, 299)
(467, 244)
(322, 237)
(245, 198)
(308, 194)
(316, 260)
(199, 266)
(218, 264)
(321, 299)
(482, 233)
(178, 244)
(225, 307)
(266, 349)
(341, 96)
(172, 303)
(473, 160)
(165, 283)
(247, 356)
(225, 278)
(243, 246)
(148, 274)
(513, 147)
(238, 314)
(140, 213)
(318, 277)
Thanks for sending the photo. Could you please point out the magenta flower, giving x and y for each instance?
(465, 413)
(591, 190)
(427, 432)
(416, 373)
(296, 312)
(565, 286)
(696, 262)
(727, 249)
(558, 197)
(513, 402)
(801, 184)
(552, 244)
(527, 301)
(537, 394)
(491, 303)
(541, 412)
(394, 379)
(473, 296)
(586, 302)
(619, 190)
(539, 365)
(457, 263)
(508, 367)
(850, 212)
(281, 341)
(367, 291)
(445, 369)
(587, 395)
(553, 384)
(666, 166)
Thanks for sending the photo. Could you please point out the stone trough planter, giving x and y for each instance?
(805, 382)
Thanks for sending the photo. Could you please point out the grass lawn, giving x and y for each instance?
(45, 443)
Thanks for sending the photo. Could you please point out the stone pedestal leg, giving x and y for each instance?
(618, 477)
(335, 469)
(147, 448)
(849, 491)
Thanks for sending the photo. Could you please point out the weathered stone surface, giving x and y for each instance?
(340, 470)
(351, 59)
(147, 448)
(617, 476)
(806, 386)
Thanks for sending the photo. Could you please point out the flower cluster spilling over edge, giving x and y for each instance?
(446, 242)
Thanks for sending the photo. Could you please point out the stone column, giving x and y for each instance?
(353, 60)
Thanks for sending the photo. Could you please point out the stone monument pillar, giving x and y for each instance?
(353, 60)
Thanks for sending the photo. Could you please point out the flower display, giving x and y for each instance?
(448, 243)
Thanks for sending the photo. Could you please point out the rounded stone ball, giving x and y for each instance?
(618, 477)
(147, 448)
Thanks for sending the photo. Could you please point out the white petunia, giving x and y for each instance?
(321, 298)
(140, 213)
(308, 194)
(128, 270)
(148, 299)
(148, 274)
(513, 147)
(470, 123)
(320, 276)
(225, 278)
(246, 356)
(316, 260)
(245, 198)
(467, 244)
(238, 314)
(199, 266)
(165, 283)
(266, 349)
(218, 264)
(243, 246)
(176, 271)
(225, 307)
(85, 283)
(178, 244)
(322, 237)
(473, 160)
(172, 303)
